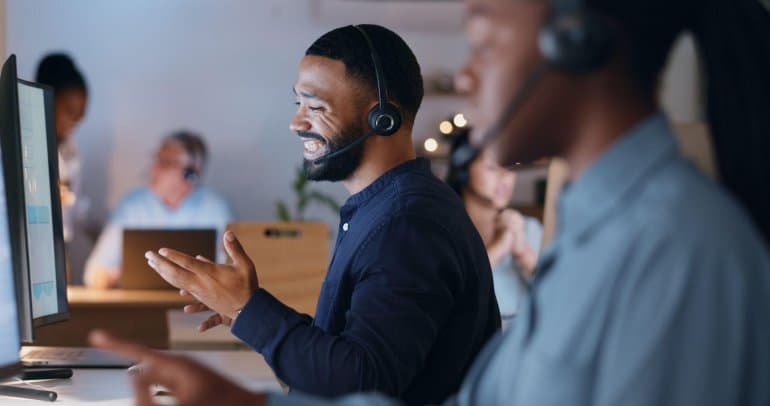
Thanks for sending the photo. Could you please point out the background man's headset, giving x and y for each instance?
(196, 150)
(574, 40)
(384, 118)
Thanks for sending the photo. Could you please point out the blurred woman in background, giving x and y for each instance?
(70, 100)
(512, 240)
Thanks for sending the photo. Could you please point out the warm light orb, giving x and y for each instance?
(445, 127)
(459, 120)
(431, 145)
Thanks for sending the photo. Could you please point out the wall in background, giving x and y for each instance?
(223, 68)
(2, 27)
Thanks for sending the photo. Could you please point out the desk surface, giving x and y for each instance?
(79, 296)
(112, 386)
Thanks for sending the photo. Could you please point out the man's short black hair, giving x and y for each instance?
(399, 65)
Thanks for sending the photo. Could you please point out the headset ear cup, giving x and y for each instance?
(577, 42)
(386, 120)
(190, 175)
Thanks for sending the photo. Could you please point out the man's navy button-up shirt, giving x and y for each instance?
(406, 305)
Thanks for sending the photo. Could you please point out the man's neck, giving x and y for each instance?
(603, 120)
(175, 200)
(381, 154)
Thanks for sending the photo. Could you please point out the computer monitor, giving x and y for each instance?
(45, 242)
(9, 315)
(10, 151)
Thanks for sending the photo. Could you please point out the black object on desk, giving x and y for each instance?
(28, 393)
(32, 393)
(46, 373)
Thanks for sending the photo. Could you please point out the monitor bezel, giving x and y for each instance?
(9, 73)
(15, 202)
(56, 213)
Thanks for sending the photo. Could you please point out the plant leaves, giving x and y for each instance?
(300, 181)
(282, 211)
(324, 199)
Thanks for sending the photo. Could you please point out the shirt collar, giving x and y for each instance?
(360, 198)
(617, 171)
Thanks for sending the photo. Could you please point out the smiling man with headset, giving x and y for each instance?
(654, 290)
(407, 302)
(174, 198)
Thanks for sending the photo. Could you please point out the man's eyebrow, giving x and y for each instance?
(304, 94)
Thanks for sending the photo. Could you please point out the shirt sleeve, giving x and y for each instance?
(683, 336)
(404, 291)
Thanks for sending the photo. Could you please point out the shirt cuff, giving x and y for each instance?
(260, 319)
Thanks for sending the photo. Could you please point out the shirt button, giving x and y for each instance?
(345, 227)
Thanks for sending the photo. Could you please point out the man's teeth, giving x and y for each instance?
(312, 146)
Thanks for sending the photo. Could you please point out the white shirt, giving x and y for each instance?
(70, 177)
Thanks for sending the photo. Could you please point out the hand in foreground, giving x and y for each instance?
(189, 382)
(222, 288)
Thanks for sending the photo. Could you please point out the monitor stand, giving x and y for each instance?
(28, 393)
(33, 393)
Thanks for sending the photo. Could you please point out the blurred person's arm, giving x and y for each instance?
(103, 265)
(193, 384)
(189, 382)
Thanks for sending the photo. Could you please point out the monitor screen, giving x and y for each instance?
(41, 195)
(9, 317)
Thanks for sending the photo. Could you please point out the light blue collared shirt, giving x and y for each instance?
(655, 291)
(141, 208)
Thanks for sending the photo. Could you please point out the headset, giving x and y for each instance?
(196, 150)
(574, 40)
(384, 118)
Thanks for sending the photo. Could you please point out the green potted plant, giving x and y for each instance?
(304, 197)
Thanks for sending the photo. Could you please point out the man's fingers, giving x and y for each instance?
(171, 272)
(210, 323)
(196, 308)
(204, 259)
(185, 261)
(235, 249)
